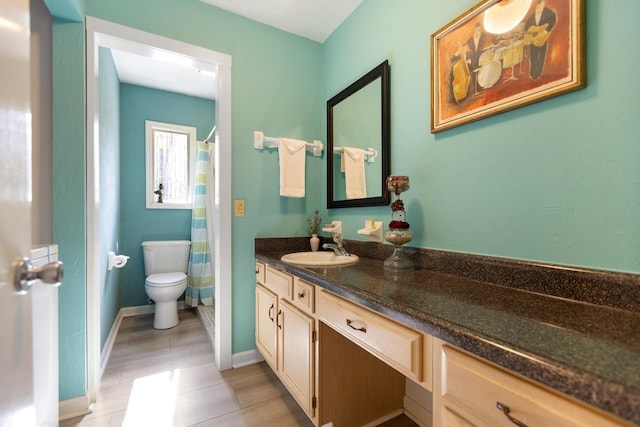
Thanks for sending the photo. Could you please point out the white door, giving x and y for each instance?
(16, 368)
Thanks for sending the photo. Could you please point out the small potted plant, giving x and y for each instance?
(314, 227)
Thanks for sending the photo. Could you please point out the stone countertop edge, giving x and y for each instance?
(614, 397)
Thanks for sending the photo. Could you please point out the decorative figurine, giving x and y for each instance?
(398, 233)
(158, 192)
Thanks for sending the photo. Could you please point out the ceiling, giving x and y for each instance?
(166, 71)
(312, 19)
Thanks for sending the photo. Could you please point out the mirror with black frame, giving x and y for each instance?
(358, 142)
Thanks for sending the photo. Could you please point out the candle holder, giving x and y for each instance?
(398, 233)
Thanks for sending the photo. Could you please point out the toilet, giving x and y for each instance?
(165, 265)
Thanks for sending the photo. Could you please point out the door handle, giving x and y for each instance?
(25, 274)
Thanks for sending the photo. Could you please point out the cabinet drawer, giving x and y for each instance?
(397, 345)
(472, 388)
(279, 282)
(260, 272)
(304, 295)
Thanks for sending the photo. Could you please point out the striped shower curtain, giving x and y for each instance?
(200, 273)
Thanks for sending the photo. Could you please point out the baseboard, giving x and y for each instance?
(237, 360)
(111, 339)
(245, 358)
(208, 324)
(76, 407)
(122, 313)
(137, 311)
(145, 309)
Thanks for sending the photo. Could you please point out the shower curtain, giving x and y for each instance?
(200, 272)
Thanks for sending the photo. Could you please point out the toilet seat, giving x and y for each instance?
(161, 280)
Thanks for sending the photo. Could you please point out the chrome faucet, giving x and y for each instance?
(335, 228)
(337, 249)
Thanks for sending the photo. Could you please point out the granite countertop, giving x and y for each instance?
(587, 351)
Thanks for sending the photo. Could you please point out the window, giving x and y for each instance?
(169, 163)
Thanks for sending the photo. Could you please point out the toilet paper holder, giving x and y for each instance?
(116, 261)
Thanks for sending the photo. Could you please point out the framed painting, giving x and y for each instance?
(501, 55)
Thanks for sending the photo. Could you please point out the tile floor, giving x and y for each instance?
(169, 378)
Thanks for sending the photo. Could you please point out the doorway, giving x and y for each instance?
(113, 36)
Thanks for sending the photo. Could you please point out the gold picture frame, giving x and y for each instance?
(505, 54)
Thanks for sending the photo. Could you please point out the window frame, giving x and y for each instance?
(191, 132)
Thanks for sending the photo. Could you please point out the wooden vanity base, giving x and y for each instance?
(356, 388)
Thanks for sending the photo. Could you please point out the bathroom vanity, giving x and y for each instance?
(357, 346)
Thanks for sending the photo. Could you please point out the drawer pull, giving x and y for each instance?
(505, 410)
(361, 329)
(270, 316)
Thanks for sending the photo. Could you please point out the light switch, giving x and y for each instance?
(238, 207)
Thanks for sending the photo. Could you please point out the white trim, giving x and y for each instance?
(246, 358)
(138, 310)
(223, 222)
(108, 344)
(76, 407)
(122, 313)
(144, 309)
(110, 35)
(136, 41)
(111, 339)
(93, 205)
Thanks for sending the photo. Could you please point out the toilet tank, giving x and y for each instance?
(165, 256)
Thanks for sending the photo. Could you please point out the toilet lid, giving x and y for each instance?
(165, 279)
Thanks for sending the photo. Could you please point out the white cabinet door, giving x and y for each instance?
(296, 357)
(266, 313)
(16, 368)
(285, 335)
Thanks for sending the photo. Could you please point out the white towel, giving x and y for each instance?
(292, 155)
(356, 184)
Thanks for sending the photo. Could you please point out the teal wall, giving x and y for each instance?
(109, 212)
(69, 10)
(69, 201)
(276, 88)
(557, 181)
(138, 104)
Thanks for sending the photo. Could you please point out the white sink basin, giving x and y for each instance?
(319, 259)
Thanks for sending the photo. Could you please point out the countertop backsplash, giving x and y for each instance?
(600, 287)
